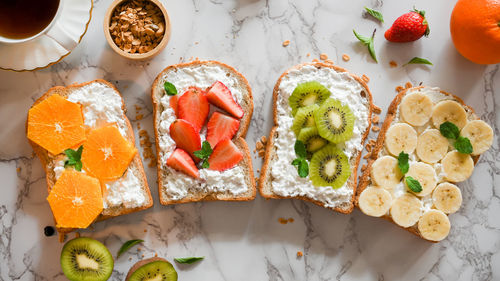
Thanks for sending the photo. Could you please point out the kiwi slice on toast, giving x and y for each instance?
(335, 122)
(329, 167)
(304, 118)
(311, 139)
(85, 259)
(306, 94)
(152, 269)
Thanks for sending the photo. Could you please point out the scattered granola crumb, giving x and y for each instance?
(376, 109)
(329, 61)
(146, 144)
(368, 155)
(363, 167)
(156, 255)
(196, 43)
(18, 169)
(139, 248)
(263, 139)
(299, 254)
(308, 55)
(375, 128)
(365, 78)
(393, 63)
(262, 153)
(259, 145)
(129, 259)
(258, 170)
(346, 57)
(315, 60)
(283, 220)
(139, 117)
(399, 88)
(372, 142)
(376, 119)
(323, 56)
(142, 255)
(408, 85)
(290, 220)
(286, 43)
(145, 230)
(368, 147)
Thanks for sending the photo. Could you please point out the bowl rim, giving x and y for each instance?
(147, 55)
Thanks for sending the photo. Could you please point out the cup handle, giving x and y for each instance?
(58, 33)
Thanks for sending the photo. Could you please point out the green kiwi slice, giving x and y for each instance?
(85, 259)
(329, 167)
(304, 118)
(153, 269)
(306, 94)
(334, 121)
(311, 139)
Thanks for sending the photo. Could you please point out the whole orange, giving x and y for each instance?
(475, 30)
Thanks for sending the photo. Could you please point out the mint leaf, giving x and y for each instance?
(188, 260)
(300, 149)
(204, 153)
(170, 88)
(403, 162)
(74, 158)
(413, 184)
(449, 130)
(376, 14)
(463, 145)
(417, 60)
(367, 41)
(127, 245)
(303, 168)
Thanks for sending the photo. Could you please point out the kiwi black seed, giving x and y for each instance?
(311, 139)
(306, 94)
(329, 167)
(85, 259)
(304, 118)
(335, 122)
(152, 269)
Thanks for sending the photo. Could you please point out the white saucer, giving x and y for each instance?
(44, 51)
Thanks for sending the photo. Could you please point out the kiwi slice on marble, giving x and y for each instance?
(335, 122)
(311, 139)
(329, 167)
(86, 259)
(308, 93)
(304, 118)
(152, 269)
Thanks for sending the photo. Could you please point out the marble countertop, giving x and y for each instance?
(245, 241)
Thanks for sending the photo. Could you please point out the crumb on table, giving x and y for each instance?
(286, 43)
(299, 254)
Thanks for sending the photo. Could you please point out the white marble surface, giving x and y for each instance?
(244, 241)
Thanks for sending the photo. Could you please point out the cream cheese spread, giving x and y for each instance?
(285, 179)
(178, 185)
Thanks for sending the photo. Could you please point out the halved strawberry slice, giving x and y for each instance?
(193, 107)
(173, 104)
(220, 127)
(182, 162)
(219, 95)
(225, 156)
(185, 136)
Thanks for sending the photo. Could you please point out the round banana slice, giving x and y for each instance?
(425, 175)
(432, 146)
(385, 172)
(434, 225)
(447, 197)
(480, 135)
(375, 201)
(457, 166)
(400, 137)
(451, 111)
(406, 210)
(416, 109)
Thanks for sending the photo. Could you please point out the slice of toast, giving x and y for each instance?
(235, 184)
(86, 91)
(393, 117)
(352, 90)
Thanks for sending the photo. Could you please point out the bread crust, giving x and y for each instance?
(265, 177)
(238, 139)
(45, 158)
(365, 180)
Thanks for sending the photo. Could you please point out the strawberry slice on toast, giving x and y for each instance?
(225, 156)
(182, 162)
(185, 136)
(193, 107)
(220, 127)
(220, 96)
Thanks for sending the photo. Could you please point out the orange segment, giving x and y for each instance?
(107, 154)
(56, 124)
(75, 199)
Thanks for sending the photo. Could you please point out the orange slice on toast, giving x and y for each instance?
(106, 153)
(75, 199)
(56, 124)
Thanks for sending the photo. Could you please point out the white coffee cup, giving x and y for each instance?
(53, 30)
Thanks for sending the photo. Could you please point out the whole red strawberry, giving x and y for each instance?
(408, 27)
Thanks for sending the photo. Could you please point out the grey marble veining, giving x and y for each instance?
(244, 241)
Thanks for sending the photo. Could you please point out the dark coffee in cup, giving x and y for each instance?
(21, 19)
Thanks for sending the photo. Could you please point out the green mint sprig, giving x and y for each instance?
(403, 163)
(170, 89)
(127, 245)
(188, 260)
(451, 131)
(413, 184)
(376, 14)
(417, 60)
(367, 41)
(204, 154)
(300, 162)
(74, 158)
